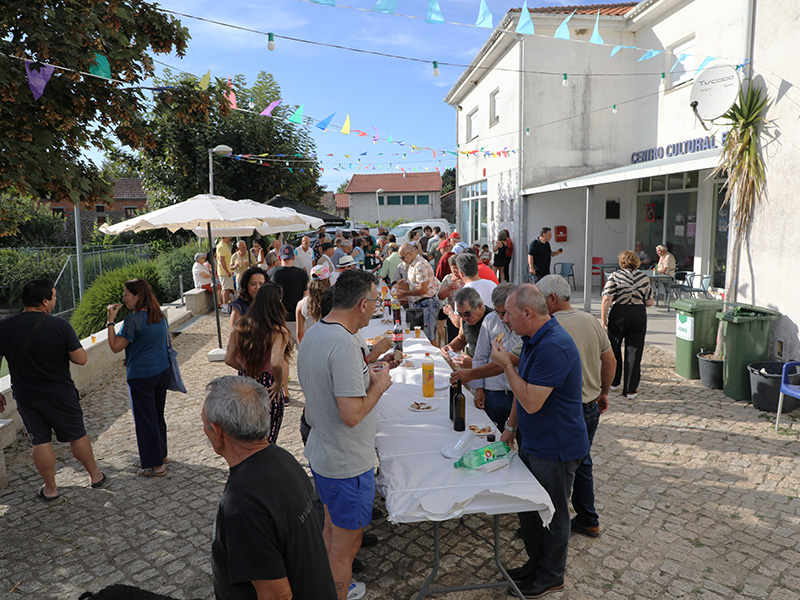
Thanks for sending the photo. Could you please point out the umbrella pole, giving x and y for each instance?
(217, 354)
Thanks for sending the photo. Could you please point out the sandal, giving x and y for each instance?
(97, 484)
(40, 494)
(150, 472)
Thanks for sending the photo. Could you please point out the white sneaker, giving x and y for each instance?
(356, 590)
(632, 396)
(614, 388)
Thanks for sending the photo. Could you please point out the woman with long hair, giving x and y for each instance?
(501, 258)
(251, 281)
(258, 346)
(309, 309)
(258, 254)
(144, 336)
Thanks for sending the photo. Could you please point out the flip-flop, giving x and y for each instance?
(97, 484)
(40, 494)
(149, 472)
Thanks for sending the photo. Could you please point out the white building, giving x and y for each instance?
(391, 196)
(619, 146)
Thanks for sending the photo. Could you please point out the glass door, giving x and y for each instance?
(681, 228)
(719, 243)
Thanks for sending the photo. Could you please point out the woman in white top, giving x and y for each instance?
(309, 309)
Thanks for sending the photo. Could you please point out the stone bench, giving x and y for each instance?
(198, 301)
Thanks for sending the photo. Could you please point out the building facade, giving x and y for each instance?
(612, 141)
(392, 196)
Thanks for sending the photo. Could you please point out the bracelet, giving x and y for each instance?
(508, 362)
(110, 324)
(510, 428)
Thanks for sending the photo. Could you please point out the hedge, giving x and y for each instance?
(171, 264)
(18, 268)
(90, 316)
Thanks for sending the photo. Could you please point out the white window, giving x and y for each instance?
(494, 114)
(685, 70)
(472, 124)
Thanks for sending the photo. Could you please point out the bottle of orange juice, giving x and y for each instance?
(427, 376)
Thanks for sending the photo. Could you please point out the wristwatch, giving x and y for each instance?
(110, 324)
(510, 428)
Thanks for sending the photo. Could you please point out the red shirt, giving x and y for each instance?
(485, 272)
(443, 268)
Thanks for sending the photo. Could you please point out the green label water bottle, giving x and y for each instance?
(477, 458)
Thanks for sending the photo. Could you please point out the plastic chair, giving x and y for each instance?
(700, 285)
(678, 286)
(565, 269)
(598, 260)
(787, 388)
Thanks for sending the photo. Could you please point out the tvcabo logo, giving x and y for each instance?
(714, 81)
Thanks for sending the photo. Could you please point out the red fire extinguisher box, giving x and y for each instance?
(561, 233)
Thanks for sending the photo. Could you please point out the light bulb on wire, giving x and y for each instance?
(528, 131)
(251, 105)
(614, 109)
(564, 82)
(271, 42)
(663, 83)
(435, 68)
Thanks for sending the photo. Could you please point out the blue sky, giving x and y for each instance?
(395, 96)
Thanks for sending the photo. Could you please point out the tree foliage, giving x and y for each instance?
(343, 186)
(27, 222)
(448, 180)
(41, 141)
(177, 164)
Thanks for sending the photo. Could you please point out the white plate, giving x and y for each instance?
(433, 406)
(441, 384)
(492, 429)
(449, 451)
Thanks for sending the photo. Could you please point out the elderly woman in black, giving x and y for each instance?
(626, 295)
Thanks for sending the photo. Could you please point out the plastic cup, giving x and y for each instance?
(417, 330)
(408, 329)
(94, 338)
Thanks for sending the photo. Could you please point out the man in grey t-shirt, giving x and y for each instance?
(341, 390)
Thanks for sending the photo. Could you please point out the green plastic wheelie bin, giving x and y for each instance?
(746, 330)
(695, 330)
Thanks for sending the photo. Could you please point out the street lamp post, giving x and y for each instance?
(378, 204)
(221, 150)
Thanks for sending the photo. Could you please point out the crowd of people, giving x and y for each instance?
(540, 369)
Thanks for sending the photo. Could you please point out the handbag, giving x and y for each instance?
(175, 380)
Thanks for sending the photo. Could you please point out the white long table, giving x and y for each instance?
(418, 482)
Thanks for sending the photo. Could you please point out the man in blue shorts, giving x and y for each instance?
(39, 348)
(341, 390)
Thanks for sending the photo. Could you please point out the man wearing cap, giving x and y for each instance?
(446, 249)
(326, 252)
(422, 287)
(317, 245)
(304, 255)
(294, 281)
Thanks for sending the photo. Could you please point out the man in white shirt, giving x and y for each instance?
(468, 265)
(304, 255)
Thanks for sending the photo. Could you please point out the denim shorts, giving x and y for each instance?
(350, 500)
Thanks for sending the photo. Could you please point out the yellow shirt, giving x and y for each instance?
(223, 260)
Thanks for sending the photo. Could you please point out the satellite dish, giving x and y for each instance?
(714, 91)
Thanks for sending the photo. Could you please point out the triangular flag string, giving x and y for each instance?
(562, 33)
(484, 17)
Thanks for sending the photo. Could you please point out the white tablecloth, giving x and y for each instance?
(418, 482)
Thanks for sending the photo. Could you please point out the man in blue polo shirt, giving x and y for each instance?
(549, 415)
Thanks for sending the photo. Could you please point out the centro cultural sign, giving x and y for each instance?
(677, 149)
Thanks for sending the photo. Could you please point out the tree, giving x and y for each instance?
(41, 141)
(448, 180)
(33, 223)
(343, 186)
(177, 163)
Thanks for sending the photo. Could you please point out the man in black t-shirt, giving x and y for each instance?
(267, 541)
(294, 282)
(540, 253)
(39, 348)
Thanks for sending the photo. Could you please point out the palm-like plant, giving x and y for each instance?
(740, 160)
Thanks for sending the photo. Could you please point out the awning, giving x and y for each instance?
(707, 159)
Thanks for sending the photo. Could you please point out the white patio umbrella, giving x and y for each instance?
(214, 213)
(275, 224)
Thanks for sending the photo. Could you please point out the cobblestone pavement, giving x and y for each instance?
(698, 498)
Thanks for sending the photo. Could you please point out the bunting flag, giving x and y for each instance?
(706, 61)
(525, 24)
(231, 96)
(38, 76)
(680, 59)
(562, 33)
(325, 122)
(325, 2)
(387, 7)
(596, 37)
(101, 68)
(434, 12)
(297, 116)
(346, 127)
(484, 17)
(649, 54)
(376, 138)
(267, 112)
(205, 80)
(619, 47)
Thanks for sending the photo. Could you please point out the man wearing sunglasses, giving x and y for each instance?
(472, 311)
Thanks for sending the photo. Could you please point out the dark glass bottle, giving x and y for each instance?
(453, 389)
(459, 409)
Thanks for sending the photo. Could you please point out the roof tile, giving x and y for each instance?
(395, 182)
(342, 200)
(617, 9)
(129, 188)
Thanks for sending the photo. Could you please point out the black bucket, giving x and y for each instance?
(710, 371)
(765, 386)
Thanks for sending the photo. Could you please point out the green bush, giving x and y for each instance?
(90, 316)
(17, 268)
(171, 264)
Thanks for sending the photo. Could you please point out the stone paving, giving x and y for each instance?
(698, 498)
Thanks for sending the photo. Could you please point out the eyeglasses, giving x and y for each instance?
(372, 299)
(464, 315)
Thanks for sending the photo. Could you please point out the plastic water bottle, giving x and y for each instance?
(477, 458)
(427, 376)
